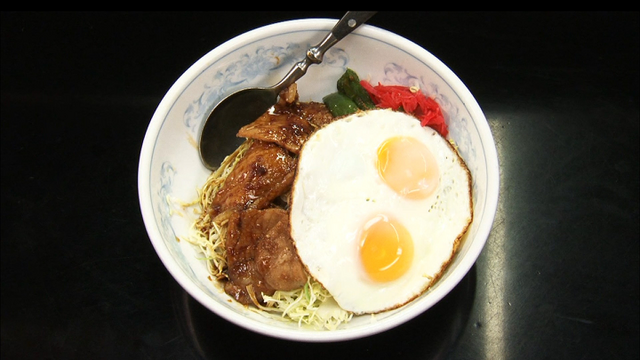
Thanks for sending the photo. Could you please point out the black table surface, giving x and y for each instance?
(557, 279)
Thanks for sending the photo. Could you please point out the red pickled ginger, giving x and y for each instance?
(403, 98)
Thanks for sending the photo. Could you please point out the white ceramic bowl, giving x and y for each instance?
(170, 166)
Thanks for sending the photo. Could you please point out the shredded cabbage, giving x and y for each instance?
(311, 305)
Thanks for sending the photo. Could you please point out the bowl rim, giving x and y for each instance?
(454, 278)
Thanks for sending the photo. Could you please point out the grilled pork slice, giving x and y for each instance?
(260, 255)
(316, 112)
(283, 128)
(265, 172)
(290, 122)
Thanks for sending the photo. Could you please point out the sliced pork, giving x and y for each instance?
(260, 255)
(265, 172)
(285, 129)
(290, 122)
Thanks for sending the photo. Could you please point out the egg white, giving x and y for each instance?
(337, 189)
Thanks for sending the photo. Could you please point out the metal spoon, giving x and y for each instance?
(218, 138)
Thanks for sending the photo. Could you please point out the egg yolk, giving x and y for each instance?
(408, 167)
(386, 249)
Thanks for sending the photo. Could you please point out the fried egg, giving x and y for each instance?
(378, 208)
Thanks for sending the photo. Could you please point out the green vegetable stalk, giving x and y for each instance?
(349, 85)
(339, 104)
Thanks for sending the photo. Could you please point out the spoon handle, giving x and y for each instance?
(349, 22)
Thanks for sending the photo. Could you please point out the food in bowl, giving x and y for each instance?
(171, 171)
(335, 209)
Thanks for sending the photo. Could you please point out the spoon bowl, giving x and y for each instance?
(218, 135)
